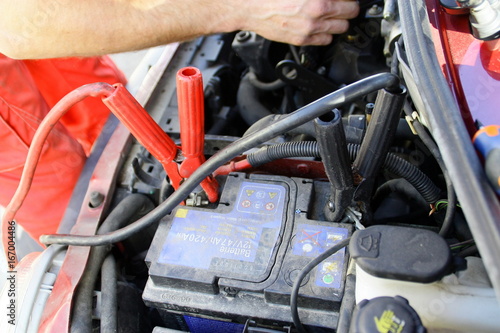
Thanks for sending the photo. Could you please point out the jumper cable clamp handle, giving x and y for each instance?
(158, 143)
(190, 98)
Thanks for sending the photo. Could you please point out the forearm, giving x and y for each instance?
(44, 29)
(59, 28)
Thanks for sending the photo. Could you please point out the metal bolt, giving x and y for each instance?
(230, 291)
(321, 70)
(389, 16)
(375, 10)
(352, 38)
(331, 206)
(243, 36)
(96, 199)
(369, 108)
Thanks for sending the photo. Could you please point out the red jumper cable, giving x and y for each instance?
(143, 128)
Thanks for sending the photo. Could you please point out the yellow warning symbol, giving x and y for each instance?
(389, 323)
(250, 192)
(272, 194)
(329, 267)
(182, 213)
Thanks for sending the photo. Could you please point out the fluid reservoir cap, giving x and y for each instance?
(386, 314)
(401, 253)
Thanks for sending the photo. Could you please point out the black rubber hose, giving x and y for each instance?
(109, 296)
(302, 274)
(307, 113)
(248, 97)
(121, 215)
(478, 201)
(268, 86)
(424, 185)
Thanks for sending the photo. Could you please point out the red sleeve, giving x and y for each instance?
(57, 77)
(22, 108)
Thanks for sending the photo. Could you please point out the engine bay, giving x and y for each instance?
(240, 255)
(320, 193)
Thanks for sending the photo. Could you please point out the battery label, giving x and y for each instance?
(313, 240)
(223, 242)
(203, 325)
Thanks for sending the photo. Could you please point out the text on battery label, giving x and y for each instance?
(206, 239)
(214, 240)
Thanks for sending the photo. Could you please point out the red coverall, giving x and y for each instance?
(28, 89)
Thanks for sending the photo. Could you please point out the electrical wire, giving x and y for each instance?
(395, 60)
(450, 208)
(443, 203)
(472, 250)
(233, 166)
(296, 285)
(462, 244)
(479, 203)
(402, 187)
(352, 215)
(307, 113)
(393, 163)
(95, 90)
(433, 148)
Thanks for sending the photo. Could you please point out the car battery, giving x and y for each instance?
(238, 262)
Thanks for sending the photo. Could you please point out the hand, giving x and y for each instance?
(95, 27)
(298, 22)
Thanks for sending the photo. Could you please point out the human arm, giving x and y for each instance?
(46, 29)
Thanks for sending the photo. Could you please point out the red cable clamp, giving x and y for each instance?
(190, 99)
(157, 142)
